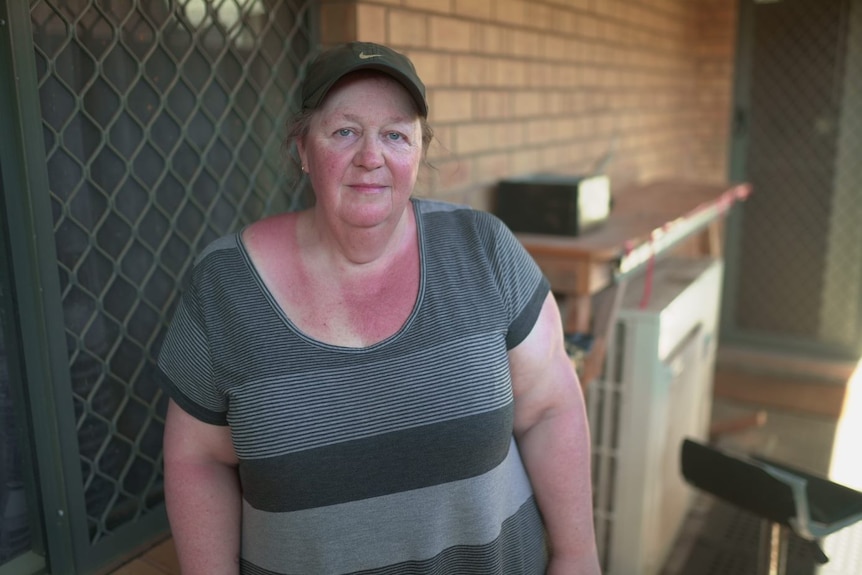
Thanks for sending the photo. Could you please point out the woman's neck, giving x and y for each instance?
(345, 248)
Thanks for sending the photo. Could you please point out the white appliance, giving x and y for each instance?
(655, 390)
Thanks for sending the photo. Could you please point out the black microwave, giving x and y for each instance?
(553, 203)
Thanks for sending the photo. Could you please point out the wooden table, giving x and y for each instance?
(588, 272)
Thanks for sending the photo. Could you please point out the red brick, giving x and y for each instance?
(371, 24)
(451, 105)
(450, 34)
(481, 9)
(444, 6)
(407, 29)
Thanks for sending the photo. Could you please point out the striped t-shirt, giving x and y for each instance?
(396, 458)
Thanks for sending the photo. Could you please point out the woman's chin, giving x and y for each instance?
(368, 220)
(369, 210)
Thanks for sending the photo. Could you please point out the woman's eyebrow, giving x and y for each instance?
(397, 119)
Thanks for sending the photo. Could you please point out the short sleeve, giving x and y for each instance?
(522, 285)
(185, 365)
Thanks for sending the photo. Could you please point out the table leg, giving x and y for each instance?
(774, 541)
(711, 242)
(577, 313)
(604, 320)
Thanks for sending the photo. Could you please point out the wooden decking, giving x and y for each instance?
(160, 560)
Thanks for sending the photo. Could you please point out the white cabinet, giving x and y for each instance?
(655, 390)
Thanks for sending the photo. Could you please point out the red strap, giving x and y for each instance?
(648, 275)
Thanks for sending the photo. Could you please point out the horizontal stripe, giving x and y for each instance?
(380, 465)
(407, 527)
(311, 409)
(189, 405)
(523, 324)
(519, 550)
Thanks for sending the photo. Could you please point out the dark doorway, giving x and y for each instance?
(796, 280)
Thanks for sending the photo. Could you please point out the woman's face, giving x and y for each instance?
(363, 151)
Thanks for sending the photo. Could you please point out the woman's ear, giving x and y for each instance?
(300, 150)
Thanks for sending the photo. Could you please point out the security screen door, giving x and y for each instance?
(162, 123)
(15, 512)
(796, 278)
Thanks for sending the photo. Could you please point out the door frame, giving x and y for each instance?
(33, 341)
(60, 533)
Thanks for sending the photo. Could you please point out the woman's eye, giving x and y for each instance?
(344, 132)
(394, 136)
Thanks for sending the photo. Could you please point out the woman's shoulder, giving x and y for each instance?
(461, 216)
(270, 235)
(432, 205)
(270, 228)
(217, 247)
(451, 210)
(260, 232)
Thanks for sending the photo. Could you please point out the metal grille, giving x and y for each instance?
(604, 400)
(801, 256)
(842, 303)
(162, 123)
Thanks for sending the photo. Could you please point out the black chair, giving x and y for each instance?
(788, 499)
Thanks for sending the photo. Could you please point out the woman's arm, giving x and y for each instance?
(553, 437)
(202, 494)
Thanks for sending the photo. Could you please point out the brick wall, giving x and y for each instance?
(518, 86)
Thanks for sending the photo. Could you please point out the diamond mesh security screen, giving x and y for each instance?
(801, 268)
(162, 122)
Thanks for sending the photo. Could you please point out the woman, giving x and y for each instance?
(377, 384)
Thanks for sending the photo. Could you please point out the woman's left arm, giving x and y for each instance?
(553, 437)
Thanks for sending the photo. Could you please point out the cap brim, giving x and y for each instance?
(316, 98)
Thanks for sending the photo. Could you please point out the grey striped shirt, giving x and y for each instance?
(393, 458)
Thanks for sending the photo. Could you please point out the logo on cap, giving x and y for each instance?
(364, 56)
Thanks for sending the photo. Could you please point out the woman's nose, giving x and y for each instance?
(370, 154)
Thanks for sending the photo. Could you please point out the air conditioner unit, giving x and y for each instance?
(656, 389)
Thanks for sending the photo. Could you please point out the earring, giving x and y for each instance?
(304, 169)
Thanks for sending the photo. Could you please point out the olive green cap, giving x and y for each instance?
(333, 64)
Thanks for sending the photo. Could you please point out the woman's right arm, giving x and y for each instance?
(202, 494)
